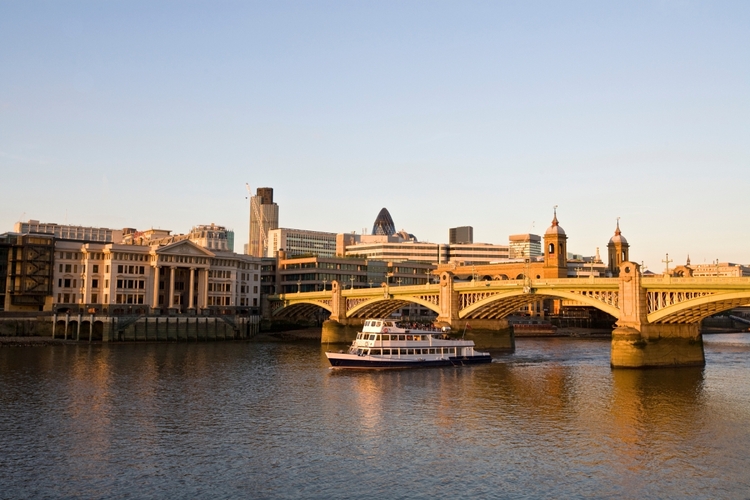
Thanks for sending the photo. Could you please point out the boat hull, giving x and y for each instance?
(354, 361)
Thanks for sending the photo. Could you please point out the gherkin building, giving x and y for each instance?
(384, 224)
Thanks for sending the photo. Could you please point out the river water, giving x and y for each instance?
(271, 420)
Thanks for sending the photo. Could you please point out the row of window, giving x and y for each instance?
(70, 298)
(449, 351)
(128, 284)
(131, 256)
(127, 298)
(220, 287)
(128, 269)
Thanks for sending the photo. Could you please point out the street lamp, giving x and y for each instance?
(324, 285)
(352, 278)
(299, 285)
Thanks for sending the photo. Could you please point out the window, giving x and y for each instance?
(119, 268)
(94, 283)
(94, 298)
(68, 268)
(255, 289)
(67, 283)
(95, 268)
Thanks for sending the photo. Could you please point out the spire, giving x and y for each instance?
(554, 219)
(688, 261)
(617, 231)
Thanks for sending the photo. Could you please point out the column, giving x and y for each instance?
(205, 288)
(190, 292)
(155, 298)
(170, 300)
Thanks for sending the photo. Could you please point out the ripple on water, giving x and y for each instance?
(272, 421)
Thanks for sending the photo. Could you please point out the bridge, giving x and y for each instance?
(657, 318)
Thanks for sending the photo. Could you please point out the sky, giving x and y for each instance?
(488, 114)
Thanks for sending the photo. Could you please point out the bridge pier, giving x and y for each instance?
(636, 343)
(657, 346)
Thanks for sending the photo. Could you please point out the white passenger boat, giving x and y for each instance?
(383, 343)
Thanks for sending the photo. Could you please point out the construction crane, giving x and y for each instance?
(259, 216)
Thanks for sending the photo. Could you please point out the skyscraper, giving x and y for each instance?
(264, 216)
(461, 235)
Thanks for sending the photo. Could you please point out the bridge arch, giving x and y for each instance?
(302, 308)
(518, 298)
(379, 306)
(695, 310)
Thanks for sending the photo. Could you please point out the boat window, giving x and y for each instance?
(410, 351)
(417, 337)
(386, 352)
(431, 351)
(386, 337)
(375, 352)
(378, 324)
(377, 337)
(409, 337)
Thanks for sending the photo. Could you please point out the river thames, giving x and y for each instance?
(271, 420)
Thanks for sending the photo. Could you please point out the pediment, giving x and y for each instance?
(184, 247)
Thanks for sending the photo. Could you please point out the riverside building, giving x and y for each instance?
(69, 232)
(297, 242)
(178, 277)
(264, 216)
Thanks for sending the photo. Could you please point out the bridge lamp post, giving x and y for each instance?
(370, 282)
(299, 286)
(352, 278)
(324, 285)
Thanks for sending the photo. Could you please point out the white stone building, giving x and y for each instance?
(179, 277)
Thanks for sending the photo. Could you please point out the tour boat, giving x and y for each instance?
(383, 343)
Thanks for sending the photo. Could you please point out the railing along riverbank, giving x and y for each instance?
(132, 328)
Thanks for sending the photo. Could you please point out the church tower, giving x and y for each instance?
(555, 251)
(619, 251)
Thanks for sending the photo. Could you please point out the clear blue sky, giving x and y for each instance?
(156, 114)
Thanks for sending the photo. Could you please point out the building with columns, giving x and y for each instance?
(179, 277)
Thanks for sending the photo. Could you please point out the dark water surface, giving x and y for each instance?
(239, 420)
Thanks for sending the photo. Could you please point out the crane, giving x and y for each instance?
(258, 215)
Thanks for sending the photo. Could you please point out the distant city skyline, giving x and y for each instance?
(156, 114)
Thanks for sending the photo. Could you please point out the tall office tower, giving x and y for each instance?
(384, 224)
(525, 245)
(461, 235)
(264, 216)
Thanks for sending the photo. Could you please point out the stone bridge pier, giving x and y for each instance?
(486, 333)
(636, 343)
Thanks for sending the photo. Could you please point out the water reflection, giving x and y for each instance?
(273, 421)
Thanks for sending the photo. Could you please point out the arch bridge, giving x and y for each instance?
(658, 318)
